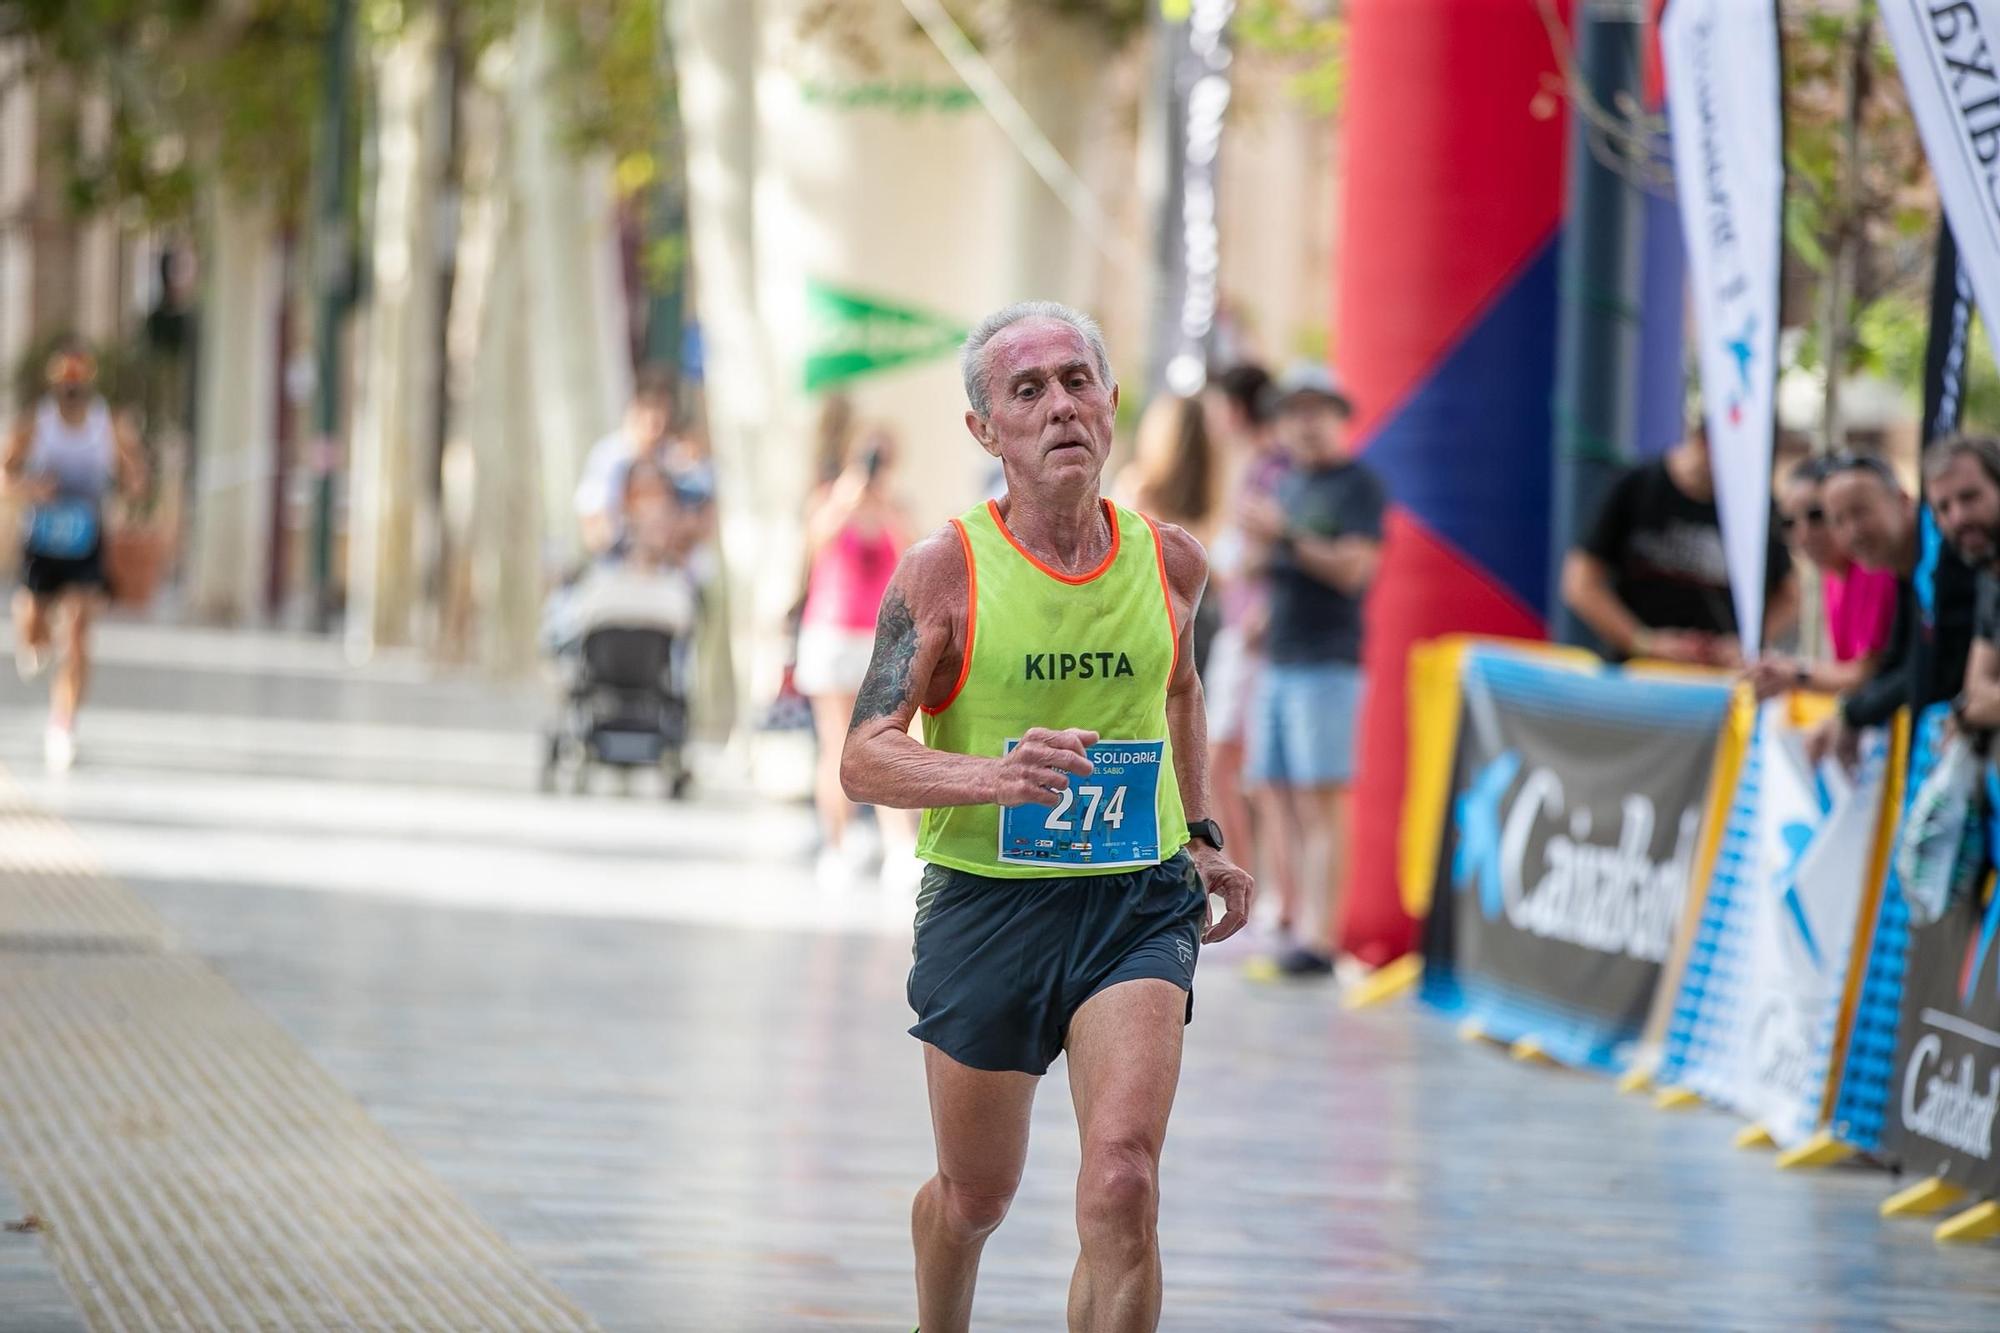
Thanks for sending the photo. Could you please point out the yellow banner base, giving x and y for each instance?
(1753, 1137)
(1472, 1032)
(1385, 983)
(1979, 1222)
(1636, 1081)
(1932, 1195)
(1676, 1099)
(1822, 1149)
(1529, 1052)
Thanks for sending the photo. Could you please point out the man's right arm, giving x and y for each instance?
(14, 458)
(919, 633)
(1587, 590)
(1873, 702)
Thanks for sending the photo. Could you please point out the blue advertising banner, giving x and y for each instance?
(1753, 1025)
(1577, 801)
(1861, 1103)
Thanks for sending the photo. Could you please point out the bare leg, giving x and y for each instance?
(73, 672)
(1124, 1064)
(1323, 865)
(1278, 852)
(31, 620)
(831, 714)
(980, 1120)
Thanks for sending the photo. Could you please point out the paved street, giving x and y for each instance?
(639, 1046)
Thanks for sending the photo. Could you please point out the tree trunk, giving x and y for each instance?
(395, 424)
(1837, 311)
(1054, 67)
(580, 367)
(716, 47)
(493, 491)
(230, 537)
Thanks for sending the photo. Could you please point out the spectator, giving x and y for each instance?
(1249, 463)
(1174, 477)
(1860, 603)
(1962, 478)
(855, 533)
(643, 580)
(1651, 579)
(1320, 540)
(1930, 639)
(644, 434)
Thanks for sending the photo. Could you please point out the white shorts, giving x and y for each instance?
(1228, 683)
(832, 660)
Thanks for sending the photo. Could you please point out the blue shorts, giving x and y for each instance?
(1300, 731)
(1002, 965)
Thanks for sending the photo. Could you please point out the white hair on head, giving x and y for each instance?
(972, 356)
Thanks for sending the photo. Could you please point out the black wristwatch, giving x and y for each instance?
(1207, 830)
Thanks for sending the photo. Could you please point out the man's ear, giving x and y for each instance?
(982, 431)
(1114, 398)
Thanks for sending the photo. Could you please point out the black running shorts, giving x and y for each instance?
(1002, 964)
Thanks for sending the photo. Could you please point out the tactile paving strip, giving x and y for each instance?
(195, 1170)
(51, 895)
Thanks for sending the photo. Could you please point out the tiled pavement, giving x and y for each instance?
(673, 1077)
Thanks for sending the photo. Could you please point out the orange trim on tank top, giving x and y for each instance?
(1166, 591)
(1110, 512)
(971, 618)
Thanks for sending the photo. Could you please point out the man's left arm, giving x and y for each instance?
(133, 473)
(1347, 564)
(1346, 558)
(1187, 727)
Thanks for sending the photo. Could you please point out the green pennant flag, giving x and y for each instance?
(850, 335)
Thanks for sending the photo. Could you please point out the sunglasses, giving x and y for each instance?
(1813, 517)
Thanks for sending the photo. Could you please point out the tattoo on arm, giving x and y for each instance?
(887, 684)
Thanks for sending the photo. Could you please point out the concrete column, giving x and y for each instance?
(230, 534)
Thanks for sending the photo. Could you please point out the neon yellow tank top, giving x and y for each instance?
(1046, 649)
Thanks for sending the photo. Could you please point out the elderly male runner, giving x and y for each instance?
(1064, 783)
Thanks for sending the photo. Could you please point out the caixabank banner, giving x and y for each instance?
(1573, 829)
(1755, 1019)
(1945, 1092)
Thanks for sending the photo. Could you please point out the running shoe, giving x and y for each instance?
(1301, 962)
(59, 749)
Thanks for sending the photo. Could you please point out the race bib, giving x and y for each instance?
(63, 529)
(1109, 819)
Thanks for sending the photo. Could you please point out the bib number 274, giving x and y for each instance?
(1110, 818)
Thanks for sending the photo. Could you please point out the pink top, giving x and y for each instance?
(1859, 606)
(849, 576)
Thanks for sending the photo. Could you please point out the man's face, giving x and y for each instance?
(1802, 515)
(1967, 505)
(1869, 518)
(647, 421)
(1314, 430)
(1051, 409)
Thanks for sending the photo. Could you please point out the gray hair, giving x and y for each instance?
(972, 356)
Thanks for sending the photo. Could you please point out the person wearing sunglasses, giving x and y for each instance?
(1860, 602)
(1878, 522)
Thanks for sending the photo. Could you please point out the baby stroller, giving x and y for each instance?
(622, 654)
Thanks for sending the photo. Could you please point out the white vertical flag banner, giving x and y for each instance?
(1946, 52)
(1726, 106)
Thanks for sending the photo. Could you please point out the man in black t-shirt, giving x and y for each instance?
(1651, 578)
(1321, 539)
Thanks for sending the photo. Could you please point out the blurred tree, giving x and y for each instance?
(226, 87)
(1860, 210)
(1311, 36)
